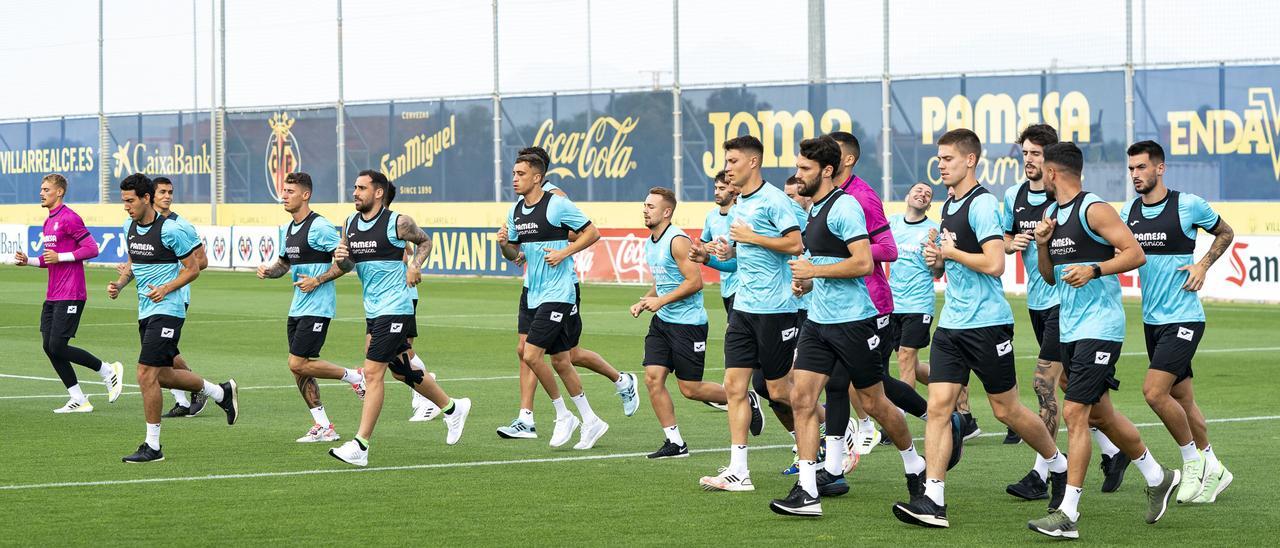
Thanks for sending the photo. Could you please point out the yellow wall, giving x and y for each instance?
(1245, 217)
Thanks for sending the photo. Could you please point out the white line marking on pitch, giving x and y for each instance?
(276, 387)
(472, 464)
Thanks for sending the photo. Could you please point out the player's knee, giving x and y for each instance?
(1073, 412)
(653, 380)
(1154, 394)
(56, 347)
(688, 389)
(520, 350)
(297, 365)
(148, 375)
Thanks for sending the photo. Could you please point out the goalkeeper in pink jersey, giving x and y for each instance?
(67, 244)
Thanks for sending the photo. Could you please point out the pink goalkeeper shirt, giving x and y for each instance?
(883, 248)
(64, 232)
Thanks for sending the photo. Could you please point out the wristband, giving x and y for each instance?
(66, 257)
(1097, 271)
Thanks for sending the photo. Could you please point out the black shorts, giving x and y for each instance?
(556, 327)
(852, 346)
(61, 319)
(884, 331)
(1090, 369)
(306, 335)
(387, 337)
(411, 331)
(1170, 347)
(524, 316)
(681, 348)
(761, 341)
(159, 334)
(909, 330)
(1045, 324)
(987, 351)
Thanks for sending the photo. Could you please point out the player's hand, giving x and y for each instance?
(699, 253)
(412, 276)
(636, 309)
(50, 256)
(1044, 230)
(1019, 242)
(262, 271)
(157, 294)
(341, 253)
(520, 259)
(948, 247)
(122, 268)
(503, 236)
(306, 284)
(650, 303)
(1077, 275)
(1195, 276)
(724, 251)
(554, 257)
(20, 258)
(113, 290)
(800, 287)
(741, 232)
(802, 269)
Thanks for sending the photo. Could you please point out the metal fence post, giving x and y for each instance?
(497, 114)
(677, 137)
(342, 119)
(1128, 84)
(104, 138)
(886, 103)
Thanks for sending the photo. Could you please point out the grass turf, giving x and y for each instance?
(477, 493)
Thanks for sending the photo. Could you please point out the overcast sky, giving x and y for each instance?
(285, 51)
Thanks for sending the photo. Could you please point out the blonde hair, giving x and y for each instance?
(56, 179)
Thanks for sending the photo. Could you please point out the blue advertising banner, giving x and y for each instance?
(467, 251)
(781, 117)
(111, 247)
(264, 147)
(173, 145)
(610, 147)
(1087, 108)
(1218, 126)
(32, 149)
(434, 151)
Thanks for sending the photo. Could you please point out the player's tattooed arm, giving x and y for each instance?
(274, 270)
(342, 262)
(1223, 235)
(408, 230)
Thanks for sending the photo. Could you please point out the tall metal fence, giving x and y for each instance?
(1218, 120)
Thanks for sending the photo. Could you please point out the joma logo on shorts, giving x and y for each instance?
(397, 327)
(789, 333)
(1101, 358)
(873, 342)
(700, 346)
(72, 309)
(166, 332)
(557, 316)
(1004, 348)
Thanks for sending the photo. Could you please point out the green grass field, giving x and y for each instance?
(63, 482)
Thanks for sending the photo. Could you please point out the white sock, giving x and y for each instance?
(584, 408)
(1150, 469)
(526, 415)
(1071, 502)
(912, 463)
(1041, 468)
(673, 434)
(214, 391)
(623, 381)
(1057, 463)
(865, 425)
(1104, 444)
(1189, 452)
(808, 479)
(321, 418)
(835, 455)
(419, 400)
(561, 410)
(1212, 459)
(181, 397)
(76, 393)
(153, 436)
(351, 376)
(933, 490)
(105, 371)
(738, 460)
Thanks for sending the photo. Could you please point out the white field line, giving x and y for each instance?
(276, 387)
(472, 464)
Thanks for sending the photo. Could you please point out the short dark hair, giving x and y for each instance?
(389, 195)
(301, 178)
(378, 179)
(824, 150)
(721, 177)
(1040, 134)
(1065, 155)
(534, 161)
(1152, 148)
(847, 140)
(667, 195)
(963, 139)
(162, 180)
(539, 152)
(793, 180)
(745, 143)
(141, 185)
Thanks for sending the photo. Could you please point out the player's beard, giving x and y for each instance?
(1145, 188)
(1036, 176)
